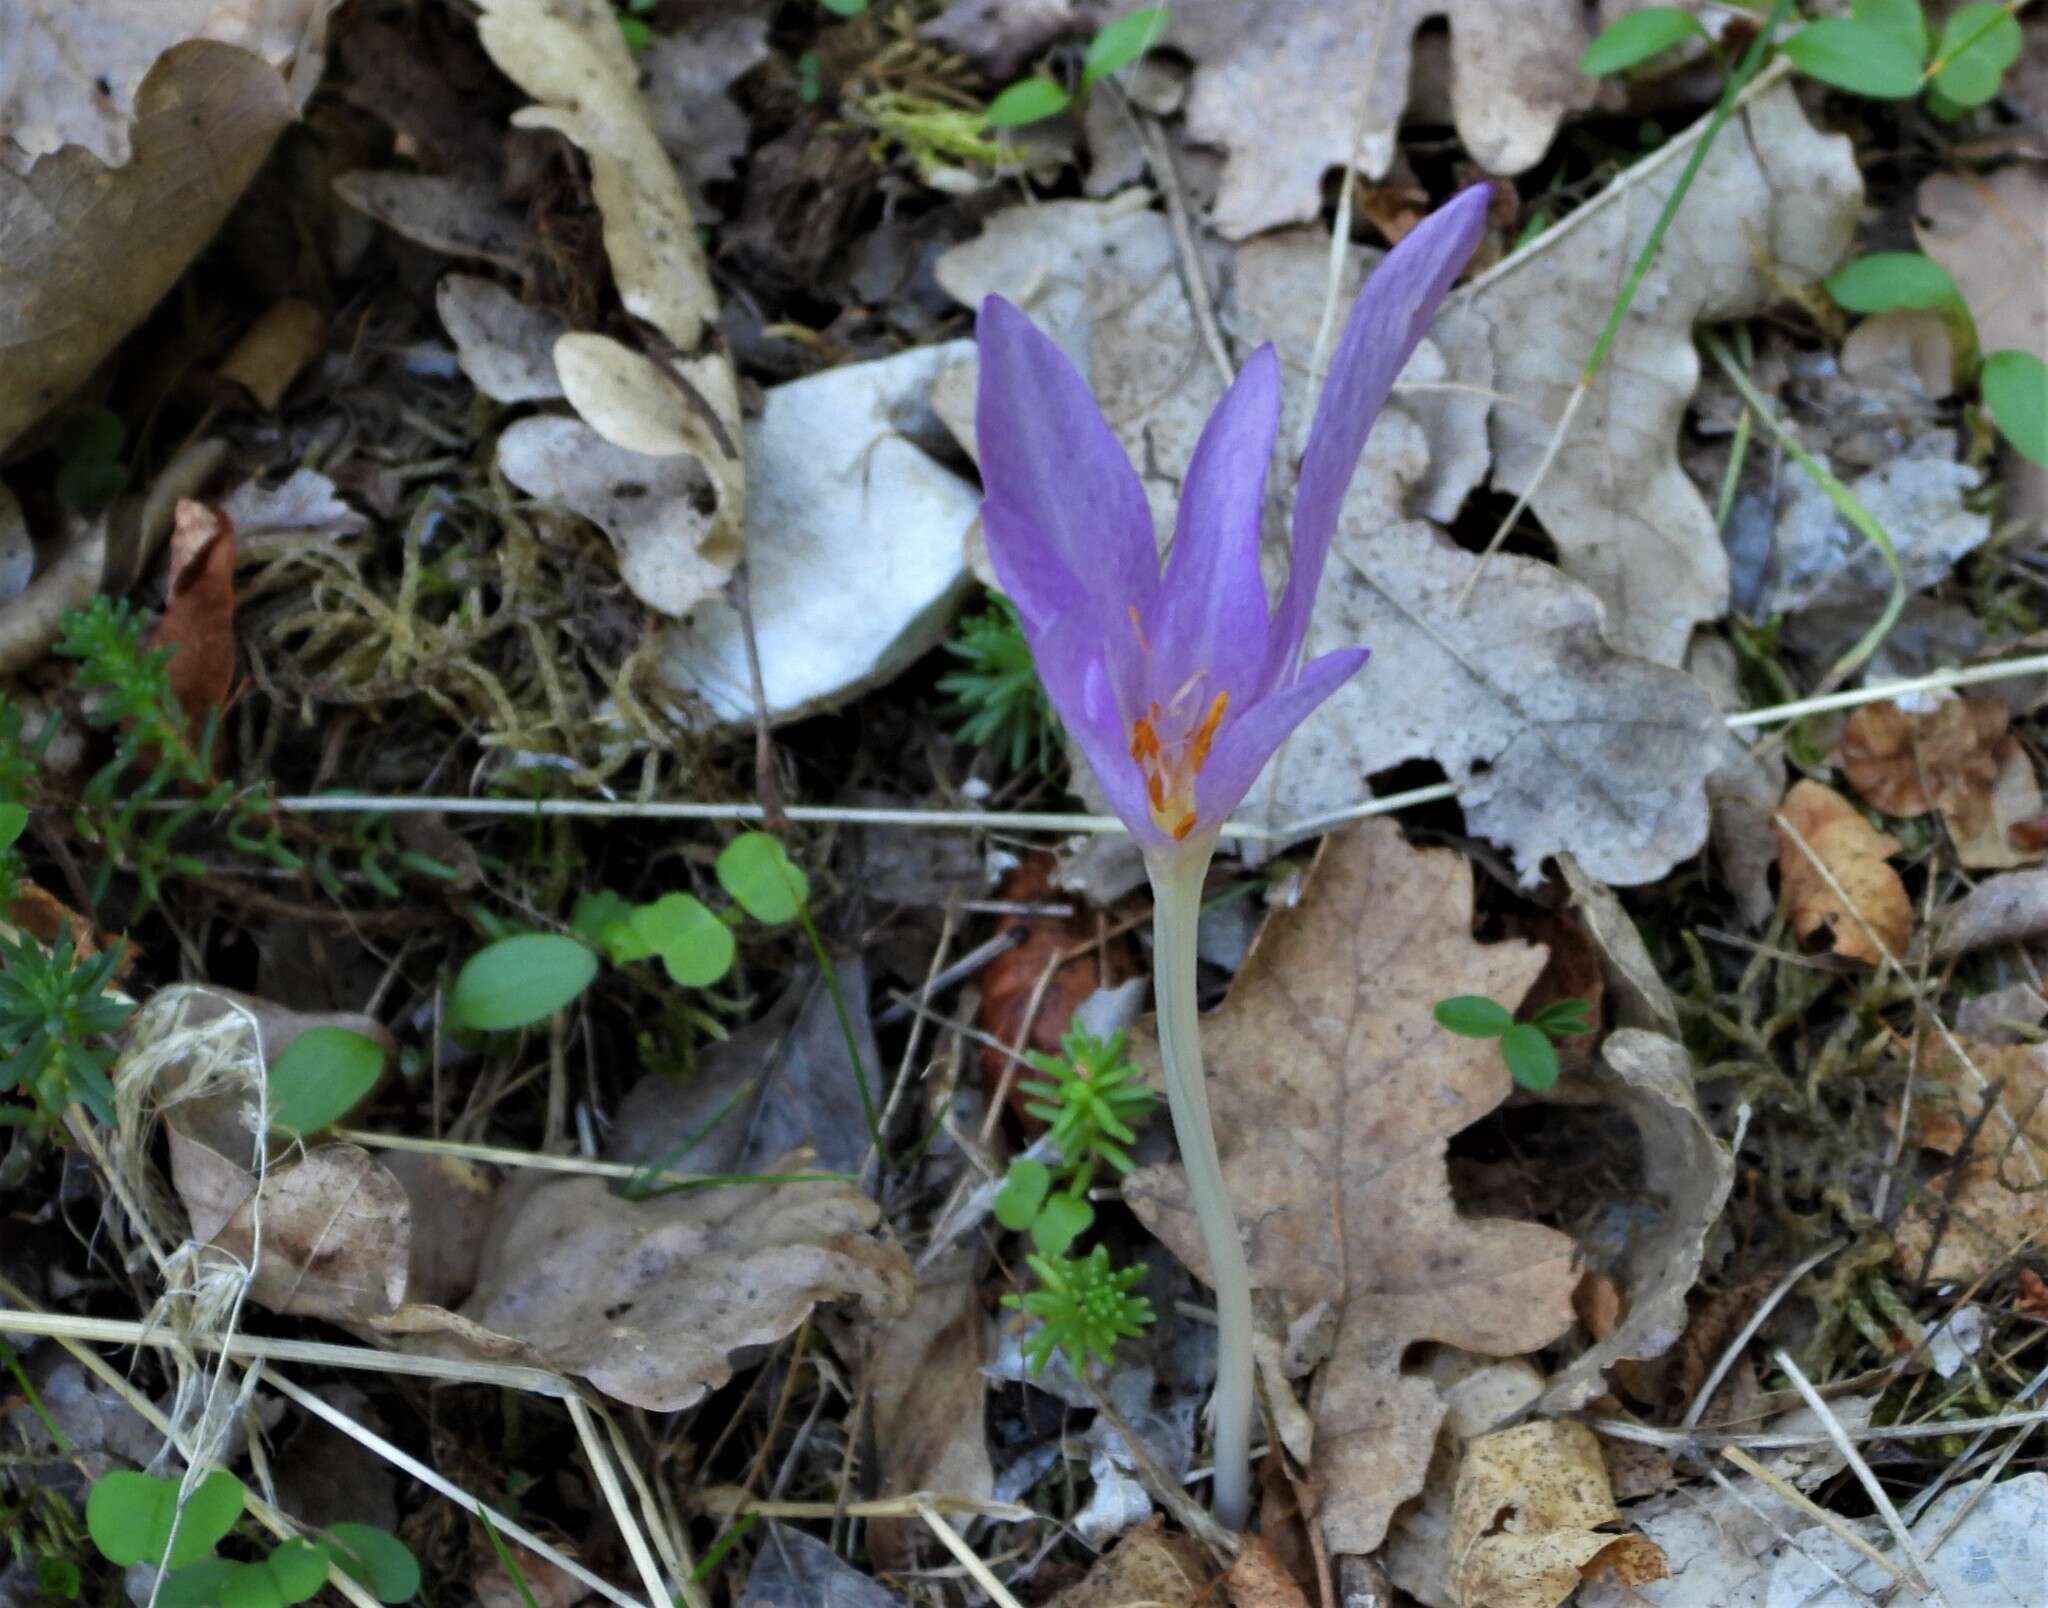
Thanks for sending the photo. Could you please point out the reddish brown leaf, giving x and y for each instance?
(199, 616)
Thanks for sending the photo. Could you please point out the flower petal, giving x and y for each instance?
(1212, 612)
(1245, 744)
(1393, 312)
(1073, 519)
(1073, 658)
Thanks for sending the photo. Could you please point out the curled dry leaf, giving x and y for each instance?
(459, 217)
(1974, 1215)
(1342, 69)
(1527, 1526)
(683, 400)
(929, 1394)
(198, 622)
(1683, 1161)
(1334, 1094)
(1145, 1566)
(75, 72)
(90, 249)
(649, 1300)
(2003, 910)
(1959, 758)
(1871, 915)
(505, 347)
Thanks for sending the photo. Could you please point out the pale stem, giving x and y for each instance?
(1177, 875)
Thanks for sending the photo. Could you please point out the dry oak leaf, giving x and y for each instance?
(1526, 1528)
(1514, 76)
(1145, 1566)
(1958, 758)
(73, 69)
(649, 1300)
(88, 250)
(1877, 916)
(1973, 1216)
(1334, 1094)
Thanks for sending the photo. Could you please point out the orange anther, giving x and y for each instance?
(1205, 734)
(1138, 630)
(1184, 826)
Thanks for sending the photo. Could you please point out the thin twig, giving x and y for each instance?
(1160, 155)
(1880, 1498)
(951, 1539)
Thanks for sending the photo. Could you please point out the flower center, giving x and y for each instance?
(1170, 764)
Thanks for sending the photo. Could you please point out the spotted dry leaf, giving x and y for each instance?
(1855, 854)
(1334, 1095)
(1529, 1523)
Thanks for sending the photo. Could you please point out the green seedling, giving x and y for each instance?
(1118, 45)
(1084, 1307)
(1529, 1048)
(996, 697)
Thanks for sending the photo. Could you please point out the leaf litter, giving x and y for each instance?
(684, 451)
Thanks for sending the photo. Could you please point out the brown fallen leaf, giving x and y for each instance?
(1259, 1580)
(649, 1300)
(1019, 1000)
(1526, 1529)
(1334, 1093)
(198, 622)
(1877, 915)
(273, 352)
(90, 249)
(2032, 1297)
(1145, 1566)
(1973, 1216)
(1959, 758)
(928, 1390)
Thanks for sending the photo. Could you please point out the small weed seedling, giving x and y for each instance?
(997, 698)
(137, 1518)
(1092, 1108)
(1120, 43)
(1529, 1048)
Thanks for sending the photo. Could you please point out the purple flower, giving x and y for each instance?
(1180, 686)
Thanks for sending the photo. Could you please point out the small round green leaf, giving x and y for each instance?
(1031, 100)
(1904, 20)
(1121, 43)
(1979, 43)
(595, 916)
(1635, 38)
(1856, 57)
(376, 1560)
(1893, 281)
(694, 945)
(1565, 1018)
(323, 1075)
(516, 982)
(1065, 1219)
(1473, 1016)
(13, 822)
(58, 1577)
(209, 1583)
(844, 8)
(757, 871)
(2016, 395)
(129, 1516)
(1023, 1192)
(1531, 1057)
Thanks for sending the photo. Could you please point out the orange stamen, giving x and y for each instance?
(1184, 826)
(1205, 734)
(1138, 630)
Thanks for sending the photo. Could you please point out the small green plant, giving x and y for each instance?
(2013, 384)
(1121, 42)
(56, 1012)
(1084, 1307)
(1092, 1106)
(996, 695)
(323, 1075)
(632, 23)
(1529, 1048)
(137, 1518)
(518, 981)
(160, 778)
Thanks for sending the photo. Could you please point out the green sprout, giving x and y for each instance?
(1529, 1048)
(1091, 1101)
(996, 694)
(1084, 1307)
(53, 1004)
